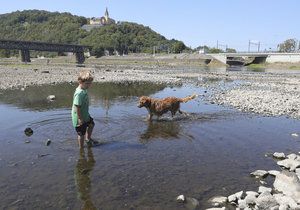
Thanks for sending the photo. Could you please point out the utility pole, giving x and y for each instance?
(249, 46)
(153, 50)
(258, 46)
(217, 44)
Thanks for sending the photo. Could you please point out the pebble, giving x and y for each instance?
(48, 142)
(180, 198)
(28, 131)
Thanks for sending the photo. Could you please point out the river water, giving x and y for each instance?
(138, 165)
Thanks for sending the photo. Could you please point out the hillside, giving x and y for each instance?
(54, 27)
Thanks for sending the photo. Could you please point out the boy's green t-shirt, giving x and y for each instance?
(81, 99)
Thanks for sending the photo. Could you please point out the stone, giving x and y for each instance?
(289, 184)
(279, 155)
(191, 203)
(284, 200)
(235, 197)
(273, 172)
(289, 163)
(260, 173)
(51, 97)
(242, 204)
(218, 200)
(262, 189)
(48, 142)
(250, 199)
(294, 135)
(28, 131)
(252, 193)
(180, 199)
(292, 156)
(266, 201)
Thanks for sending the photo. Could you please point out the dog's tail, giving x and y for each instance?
(186, 99)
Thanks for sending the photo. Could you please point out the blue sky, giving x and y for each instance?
(195, 22)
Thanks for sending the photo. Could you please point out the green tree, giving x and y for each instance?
(215, 50)
(288, 45)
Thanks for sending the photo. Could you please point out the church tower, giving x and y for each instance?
(106, 15)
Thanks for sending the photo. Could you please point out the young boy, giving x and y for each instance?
(82, 121)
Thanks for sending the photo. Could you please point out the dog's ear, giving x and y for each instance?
(148, 99)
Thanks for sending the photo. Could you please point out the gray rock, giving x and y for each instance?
(28, 131)
(218, 200)
(266, 201)
(294, 135)
(51, 97)
(252, 193)
(262, 189)
(288, 183)
(191, 203)
(284, 200)
(180, 199)
(279, 155)
(48, 142)
(223, 208)
(242, 204)
(283, 207)
(260, 173)
(235, 197)
(292, 156)
(273, 172)
(289, 163)
(250, 199)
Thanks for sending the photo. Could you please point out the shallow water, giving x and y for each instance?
(138, 165)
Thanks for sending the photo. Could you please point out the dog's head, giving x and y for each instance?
(144, 101)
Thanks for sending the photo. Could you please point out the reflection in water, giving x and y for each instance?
(103, 94)
(82, 178)
(161, 129)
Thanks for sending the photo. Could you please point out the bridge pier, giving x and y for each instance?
(80, 57)
(25, 56)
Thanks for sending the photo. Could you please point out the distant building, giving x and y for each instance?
(202, 50)
(99, 22)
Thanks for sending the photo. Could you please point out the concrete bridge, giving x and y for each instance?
(248, 58)
(25, 46)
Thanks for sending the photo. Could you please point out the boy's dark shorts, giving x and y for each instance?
(81, 130)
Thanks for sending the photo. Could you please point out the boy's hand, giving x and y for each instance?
(80, 121)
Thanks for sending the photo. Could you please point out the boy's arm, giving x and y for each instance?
(77, 108)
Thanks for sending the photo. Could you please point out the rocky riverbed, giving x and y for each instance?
(285, 193)
(270, 94)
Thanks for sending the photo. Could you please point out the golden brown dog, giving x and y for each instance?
(160, 106)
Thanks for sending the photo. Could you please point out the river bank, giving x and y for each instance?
(273, 92)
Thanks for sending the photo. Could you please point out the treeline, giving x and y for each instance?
(54, 27)
(126, 37)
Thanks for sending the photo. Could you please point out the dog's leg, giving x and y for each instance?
(150, 117)
(173, 113)
(182, 112)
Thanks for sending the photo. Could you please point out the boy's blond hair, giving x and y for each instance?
(85, 76)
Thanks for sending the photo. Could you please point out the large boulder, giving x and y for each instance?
(289, 184)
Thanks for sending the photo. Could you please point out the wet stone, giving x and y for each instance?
(51, 97)
(28, 131)
(180, 199)
(48, 142)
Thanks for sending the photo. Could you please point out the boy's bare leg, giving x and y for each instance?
(80, 141)
(89, 131)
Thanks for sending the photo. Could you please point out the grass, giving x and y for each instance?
(294, 67)
(257, 66)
